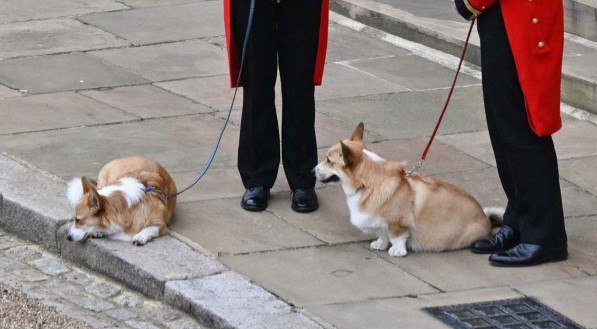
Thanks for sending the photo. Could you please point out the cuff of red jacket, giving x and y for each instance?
(466, 10)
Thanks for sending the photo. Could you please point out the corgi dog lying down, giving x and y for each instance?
(130, 202)
(409, 211)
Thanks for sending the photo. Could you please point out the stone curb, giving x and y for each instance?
(33, 206)
(577, 90)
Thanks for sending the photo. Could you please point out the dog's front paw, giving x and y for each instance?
(140, 240)
(379, 244)
(396, 251)
(96, 235)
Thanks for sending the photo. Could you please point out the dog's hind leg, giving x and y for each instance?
(145, 235)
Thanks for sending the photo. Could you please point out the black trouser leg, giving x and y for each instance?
(299, 34)
(259, 144)
(527, 164)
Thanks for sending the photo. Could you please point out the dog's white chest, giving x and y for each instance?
(365, 221)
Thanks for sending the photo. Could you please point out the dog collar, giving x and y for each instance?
(152, 189)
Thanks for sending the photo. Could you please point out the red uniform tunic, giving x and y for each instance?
(234, 60)
(535, 30)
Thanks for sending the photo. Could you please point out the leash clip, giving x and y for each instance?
(414, 168)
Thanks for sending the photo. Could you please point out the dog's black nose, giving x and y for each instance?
(69, 238)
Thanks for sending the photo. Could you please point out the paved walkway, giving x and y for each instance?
(83, 82)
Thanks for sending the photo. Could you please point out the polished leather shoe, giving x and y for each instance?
(526, 254)
(255, 199)
(503, 240)
(304, 200)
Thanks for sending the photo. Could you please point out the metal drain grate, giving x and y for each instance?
(520, 313)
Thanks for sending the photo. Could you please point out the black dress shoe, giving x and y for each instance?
(304, 200)
(526, 254)
(255, 199)
(503, 240)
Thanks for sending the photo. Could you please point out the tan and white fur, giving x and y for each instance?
(412, 212)
(118, 206)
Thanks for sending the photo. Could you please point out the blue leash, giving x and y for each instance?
(217, 145)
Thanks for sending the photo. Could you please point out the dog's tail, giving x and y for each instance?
(495, 215)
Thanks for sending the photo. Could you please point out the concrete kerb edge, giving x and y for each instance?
(50, 232)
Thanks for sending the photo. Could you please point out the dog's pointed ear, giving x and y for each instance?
(348, 155)
(87, 185)
(357, 134)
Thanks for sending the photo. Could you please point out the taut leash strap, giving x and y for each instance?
(439, 121)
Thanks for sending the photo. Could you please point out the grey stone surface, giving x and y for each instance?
(155, 3)
(581, 172)
(573, 298)
(411, 114)
(581, 17)
(103, 289)
(342, 41)
(7, 92)
(94, 304)
(214, 92)
(21, 201)
(140, 324)
(121, 314)
(50, 265)
(177, 143)
(238, 231)
(160, 24)
(187, 59)
(404, 312)
(219, 298)
(146, 101)
(462, 270)
(63, 72)
(324, 275)
(23, 10)
(344, 81)
(575, 139)
(582, 243)
(54, 111)
(52, 36)
(413, 72)
(136, 266)
(330, 223)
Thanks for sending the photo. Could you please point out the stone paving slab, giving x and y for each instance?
(330, 223)
(170, 61)
(137, 266)
(462, 270)
(581, 172)
(24, 10)
(238, 231)
(44, 74)
(582, 241)
(575, 139)
(403, 312)
(484, 185)
(54, 111)
(53, 36)
(341, 81)
(413, 72)
(155, 3)
(7, 92)
(411, 114)
(146, 101)
(217, 296)
(342, 41)
(161, 24)
(173, 142)
(441, 159)
(575, 299)
(325, 275)
(214, 92)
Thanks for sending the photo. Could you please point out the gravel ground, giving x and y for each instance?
(21, 312)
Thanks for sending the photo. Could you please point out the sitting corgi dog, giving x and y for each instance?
(130, 202)
(410, 212)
